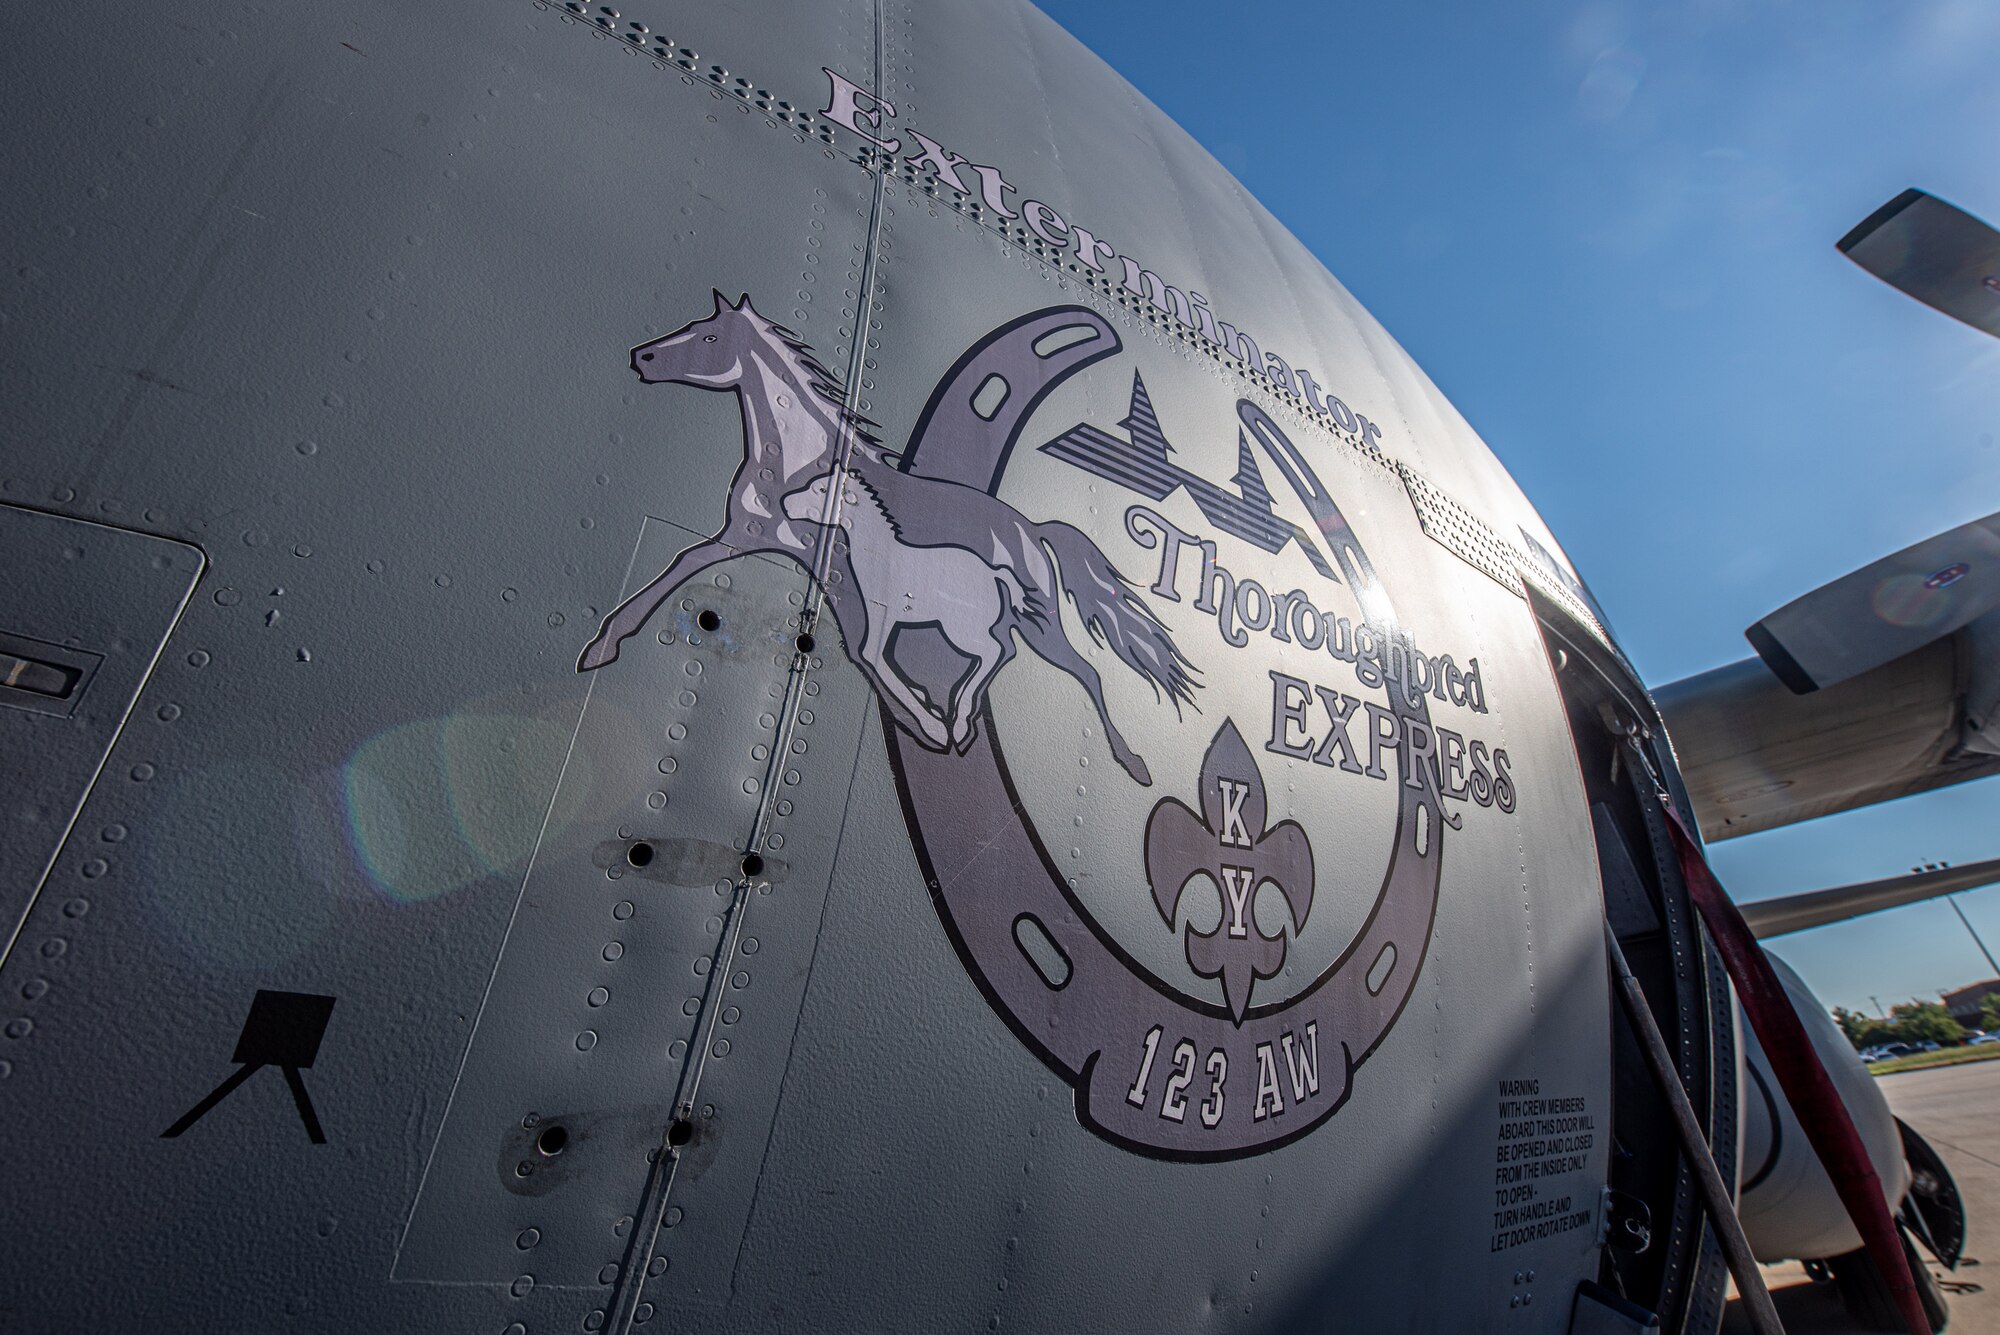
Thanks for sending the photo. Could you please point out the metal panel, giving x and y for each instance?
(1462, 533)
(584, 1036)
(95, 604)
(1468, 537)
(404, 415)
(753, 1022)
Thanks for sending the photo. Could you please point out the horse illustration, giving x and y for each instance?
(929, 580)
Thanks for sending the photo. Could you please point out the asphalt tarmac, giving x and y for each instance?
(1957, 1109)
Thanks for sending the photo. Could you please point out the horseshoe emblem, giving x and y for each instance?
(1154, 1070)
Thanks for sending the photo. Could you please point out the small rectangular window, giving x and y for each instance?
(55, 680)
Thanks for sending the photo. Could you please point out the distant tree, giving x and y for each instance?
(1853, 1024)
(1864, 1031)
(1926, 1022)
(1989, 1013)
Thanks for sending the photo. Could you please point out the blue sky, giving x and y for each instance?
(1607, 231)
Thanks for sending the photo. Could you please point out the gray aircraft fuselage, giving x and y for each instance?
(773, 667)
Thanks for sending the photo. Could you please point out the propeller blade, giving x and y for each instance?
(1882, 611)
(1817, 908)
(1937, 253)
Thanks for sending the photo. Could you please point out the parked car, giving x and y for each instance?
(1984, 1039)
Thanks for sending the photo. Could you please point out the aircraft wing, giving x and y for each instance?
(1817, 908)
(1880, 684)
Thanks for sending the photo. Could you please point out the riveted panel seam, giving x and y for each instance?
(651, 1214)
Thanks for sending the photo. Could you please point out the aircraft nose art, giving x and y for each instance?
(1014, 731)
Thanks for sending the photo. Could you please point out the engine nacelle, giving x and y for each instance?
(1788, 1203)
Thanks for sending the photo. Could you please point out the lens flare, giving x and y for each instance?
(1909, 600)
(437, 804)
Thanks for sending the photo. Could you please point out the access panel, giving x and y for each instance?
(84, 611)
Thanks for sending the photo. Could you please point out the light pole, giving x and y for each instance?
(1969, 929)
(1953, 901)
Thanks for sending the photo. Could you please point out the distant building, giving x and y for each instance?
(1964, 1002)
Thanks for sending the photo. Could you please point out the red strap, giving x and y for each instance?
(1820, 1110)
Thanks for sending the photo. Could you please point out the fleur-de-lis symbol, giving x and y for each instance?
(1228, 845)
